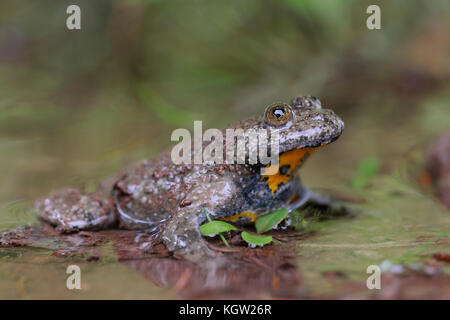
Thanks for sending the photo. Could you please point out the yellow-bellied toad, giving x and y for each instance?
(170, 199)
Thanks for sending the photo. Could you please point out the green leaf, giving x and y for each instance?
(268, 221)
(255, 239)
(220, 235)
(366, 171)
(215, 227)
(304, 224)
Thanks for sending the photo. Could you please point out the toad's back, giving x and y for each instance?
(154, 191)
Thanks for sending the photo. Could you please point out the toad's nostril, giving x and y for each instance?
(306, 101)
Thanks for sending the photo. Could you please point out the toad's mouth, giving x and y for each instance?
(289, 163)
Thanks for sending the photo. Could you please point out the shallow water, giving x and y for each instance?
(399, 223)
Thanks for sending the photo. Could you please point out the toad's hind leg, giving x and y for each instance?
(330, 206)
(304, 197)
(182, 235)
(70, 211)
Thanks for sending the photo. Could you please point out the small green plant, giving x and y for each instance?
(216, 227)
(256, 239)
(268, 221)
(366, 171)
(262, 224)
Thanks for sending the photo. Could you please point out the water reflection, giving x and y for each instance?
(268, 272)
(251, 278)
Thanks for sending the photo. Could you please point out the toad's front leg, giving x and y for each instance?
(182, 235)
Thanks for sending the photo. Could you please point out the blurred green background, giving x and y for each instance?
(77, 106)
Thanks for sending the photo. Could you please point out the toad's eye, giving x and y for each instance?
(278, 114)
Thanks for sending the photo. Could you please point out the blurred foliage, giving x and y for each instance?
(366, 171)
(77, 105)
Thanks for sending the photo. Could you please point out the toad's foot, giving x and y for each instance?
(70, 211)
(182, 235)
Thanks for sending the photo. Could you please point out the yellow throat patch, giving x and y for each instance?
(288, 162)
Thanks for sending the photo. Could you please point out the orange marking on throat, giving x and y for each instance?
(288, 163)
